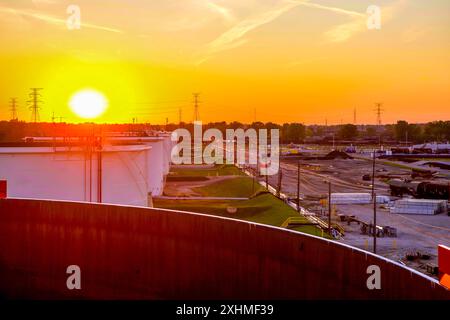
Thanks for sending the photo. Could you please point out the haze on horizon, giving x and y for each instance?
(292, 60)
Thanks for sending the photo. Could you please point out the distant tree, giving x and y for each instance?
(257, 125)
(389, 131)
(235, 125)
(295, 133)
(371, 132)
(309, 132)
(284, 132)
(407, 132)
(348, 131)
(319, 131)
(271, 125)
(401, 130)
(437, 131)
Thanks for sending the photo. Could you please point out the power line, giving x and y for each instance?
(34, 95)
(378, 111)
(160, 102)
(13, 109)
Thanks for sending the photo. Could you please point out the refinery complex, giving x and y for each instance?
(117, 205)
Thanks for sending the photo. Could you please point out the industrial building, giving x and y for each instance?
(127, 171)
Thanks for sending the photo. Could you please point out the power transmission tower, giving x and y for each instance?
(55, 117)
(34, 101)
(196, 103)
(378, 110)
(13, 109)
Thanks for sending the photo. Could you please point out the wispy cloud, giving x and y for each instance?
(358, 24)
(221, 10)
(345, 31)
(333, 9)
(53, 20)
(232, 38)
(43, 1)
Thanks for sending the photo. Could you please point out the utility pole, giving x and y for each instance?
(55, 117)
(354, 116)
(254, 115)
(267, 182)
(329, 207)
(298, 186)
(280, 177)
(378, 110)
(179, 115)
(373, 174)
(375, 224)
(196, 103)
(99, 147)
(34, 101)
(253, 183)
(13, 109)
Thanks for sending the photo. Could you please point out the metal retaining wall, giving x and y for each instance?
(141, 253)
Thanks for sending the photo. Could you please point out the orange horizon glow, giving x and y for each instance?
(270, 60)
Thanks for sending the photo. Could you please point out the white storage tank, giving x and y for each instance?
(157, 161)
(70, 173)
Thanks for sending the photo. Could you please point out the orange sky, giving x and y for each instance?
(289, 60)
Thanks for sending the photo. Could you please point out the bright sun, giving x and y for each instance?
(88, 103)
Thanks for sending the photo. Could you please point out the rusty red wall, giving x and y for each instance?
(129, 252)
(444, 265)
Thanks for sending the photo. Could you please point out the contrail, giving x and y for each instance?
(231, 38)
(333, 9)
(54, 20)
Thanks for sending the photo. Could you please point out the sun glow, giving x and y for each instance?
(88, 103)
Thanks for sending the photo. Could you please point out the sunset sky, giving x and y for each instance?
(291, 61)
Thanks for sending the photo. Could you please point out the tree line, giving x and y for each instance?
(402, 131)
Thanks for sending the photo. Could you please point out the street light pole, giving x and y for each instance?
(375, 224)
(329, 207)
(373, 175)
(298, 186)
